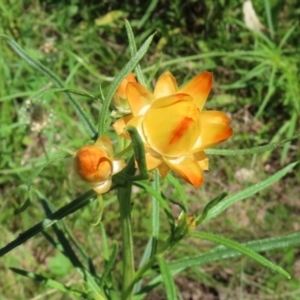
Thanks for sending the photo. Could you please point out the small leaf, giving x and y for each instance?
(209, 206)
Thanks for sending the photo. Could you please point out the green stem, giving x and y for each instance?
(124, 198)
(139, 274)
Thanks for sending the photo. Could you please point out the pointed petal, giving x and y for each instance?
(120, 98)
(202, 160)
(163, 170)
(120, 124)
(172, 126)
(152, 161)
(102, 187)
(188, 168)
(105, 143)
(199, 88)
(138, 97)
(166, 85)
(118, 165)
(214, 116)
(137, 123)
(214, 130)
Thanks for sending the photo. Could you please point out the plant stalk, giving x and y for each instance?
(124, 198)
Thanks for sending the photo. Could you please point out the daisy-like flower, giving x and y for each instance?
(174, 128)
(96, 164)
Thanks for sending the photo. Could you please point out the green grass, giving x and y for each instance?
(256, 82)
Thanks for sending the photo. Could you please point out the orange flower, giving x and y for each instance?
(173, 127)
(120, 98)
(95, 164)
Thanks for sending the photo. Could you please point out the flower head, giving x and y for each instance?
(95, 164)
(120, 98)
(174, 128)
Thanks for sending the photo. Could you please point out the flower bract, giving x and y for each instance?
(120, 99)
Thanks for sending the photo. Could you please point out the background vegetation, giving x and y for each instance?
(84, 42)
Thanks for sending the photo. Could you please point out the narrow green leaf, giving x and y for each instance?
(50, 282)
(116, 82)
(242, 249)
(63, 241)
(91, 283)
(239, 55)
(147, 13)
(109, 264)
(179, 189)
(287, 35)
(250, 191)
(93, 70)
(145, 257)
(291, 130)
(139, 151)
(220, 253)
(71, 207)
(64, 245)
(63, 90)
(269, 17)
(209, 206)
(253, 150)
(41, 68)
(133, 49)
(105, 251)
(67, 234)
(155, 70)
(153, 192)
(271, 90)
(155, 217)
(167, 279)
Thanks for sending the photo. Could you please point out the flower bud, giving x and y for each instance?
(95, 164)
(120, 98)
(92, 164)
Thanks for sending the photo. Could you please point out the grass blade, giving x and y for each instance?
(133, 49)
(41, 68)
(269, 17)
